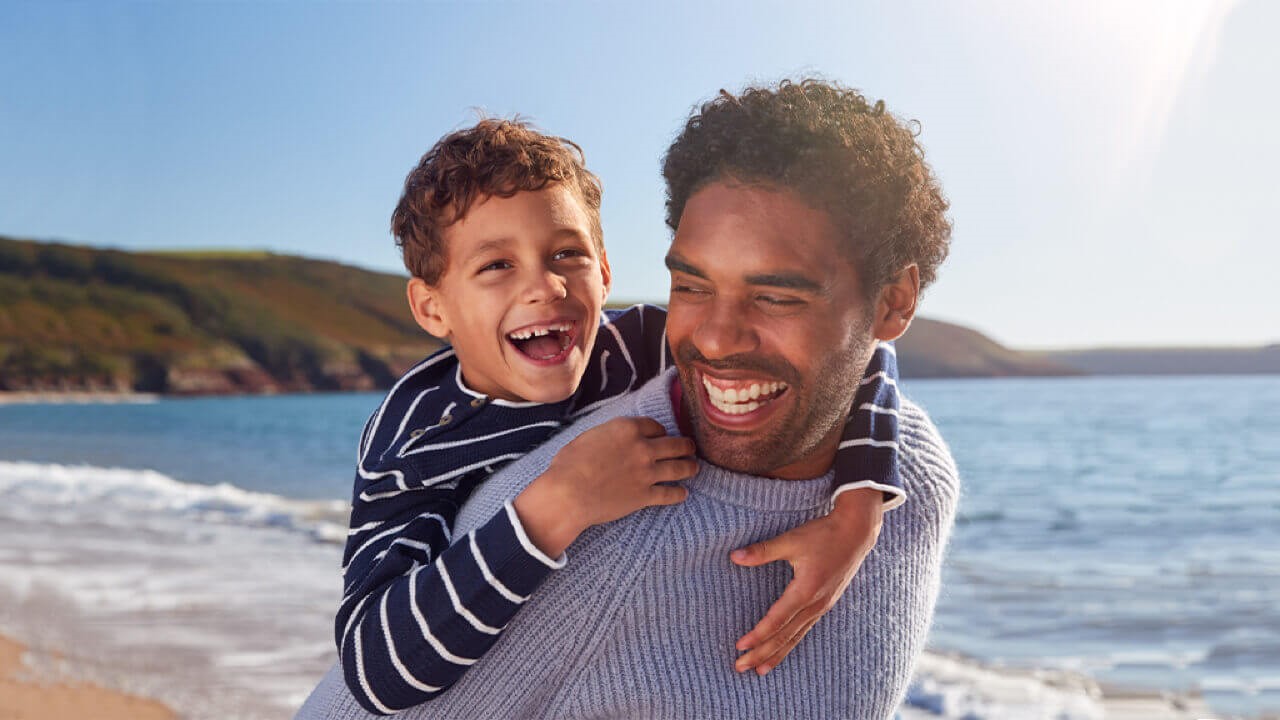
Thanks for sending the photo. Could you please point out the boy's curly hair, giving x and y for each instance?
(839, 153)
(492, 158)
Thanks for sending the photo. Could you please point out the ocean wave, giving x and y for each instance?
(31, 485)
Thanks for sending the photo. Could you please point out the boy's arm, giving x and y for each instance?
(418, 609)
(826, 553)
(630, 350)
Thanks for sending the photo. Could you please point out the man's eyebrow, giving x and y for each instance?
(789, 281)
(677, 265)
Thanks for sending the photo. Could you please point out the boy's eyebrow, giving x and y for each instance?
(487, 245)
(786, 280)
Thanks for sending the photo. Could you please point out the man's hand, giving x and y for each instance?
(609, 471)
(824, 555)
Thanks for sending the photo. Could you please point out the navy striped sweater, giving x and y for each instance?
(432, 440)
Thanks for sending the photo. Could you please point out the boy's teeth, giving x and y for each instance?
(539, 332)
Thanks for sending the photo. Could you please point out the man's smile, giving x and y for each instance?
(739, 403)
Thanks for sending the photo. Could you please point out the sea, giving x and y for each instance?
(1121, 530)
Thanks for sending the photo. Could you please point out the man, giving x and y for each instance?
(806, 223)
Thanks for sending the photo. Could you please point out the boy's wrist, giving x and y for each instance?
(548, 518)
(858, 507)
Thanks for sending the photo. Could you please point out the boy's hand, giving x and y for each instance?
(824, 554)
(607, 472)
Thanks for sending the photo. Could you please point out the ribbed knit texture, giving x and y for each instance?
(641, 622)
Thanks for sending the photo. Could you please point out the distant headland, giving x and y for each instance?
(76, 319)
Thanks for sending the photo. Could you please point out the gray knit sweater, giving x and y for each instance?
(642, 621)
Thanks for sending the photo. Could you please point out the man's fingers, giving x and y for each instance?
(667, 495)
(786, 647)
(781, 613)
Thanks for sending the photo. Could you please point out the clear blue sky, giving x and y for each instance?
(1114, 167)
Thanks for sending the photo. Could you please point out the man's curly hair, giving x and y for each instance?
(492, 158)
(836, 151)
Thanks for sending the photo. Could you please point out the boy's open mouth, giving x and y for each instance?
(545, 342)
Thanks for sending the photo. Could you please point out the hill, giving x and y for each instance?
(1171, 361)
(932, 348)
(79, 318)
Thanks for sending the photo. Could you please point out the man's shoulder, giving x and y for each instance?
(927, 468)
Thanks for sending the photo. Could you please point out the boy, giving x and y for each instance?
(500, 228)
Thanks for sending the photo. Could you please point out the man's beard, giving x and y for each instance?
(813, 414)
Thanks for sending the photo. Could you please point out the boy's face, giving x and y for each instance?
(521, 294)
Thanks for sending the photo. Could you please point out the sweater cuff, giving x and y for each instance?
(527, 545)
(893, 496)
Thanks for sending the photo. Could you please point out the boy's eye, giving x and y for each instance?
(568, 253)
(496, 265)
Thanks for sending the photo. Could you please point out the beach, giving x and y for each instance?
(31, 688)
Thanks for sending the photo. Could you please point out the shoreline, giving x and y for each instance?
(74, 397)
(26, 693)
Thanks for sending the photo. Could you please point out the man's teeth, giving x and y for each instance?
(539, 332)
(741, 400)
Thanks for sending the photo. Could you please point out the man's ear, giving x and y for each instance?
(896, 304)
(606, 274)
(428, 311)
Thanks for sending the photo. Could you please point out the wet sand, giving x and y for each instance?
(28, 695)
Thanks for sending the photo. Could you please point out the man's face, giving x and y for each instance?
(769, 329)
(521, 294)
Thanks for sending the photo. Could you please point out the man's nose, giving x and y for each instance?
(724, 331)
(544, 285)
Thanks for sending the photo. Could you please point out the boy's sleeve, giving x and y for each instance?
(420, 606)
(630, 350)
(868, 452)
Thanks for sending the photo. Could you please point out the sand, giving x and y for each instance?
(24, 696)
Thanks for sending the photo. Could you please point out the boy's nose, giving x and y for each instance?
(545, 286)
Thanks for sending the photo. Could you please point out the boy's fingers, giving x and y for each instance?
(787, 647)
(674, 470)
(649, 427)
(664, 448)
(759, 553)
(781, 613)
(667, 494)
(775, 645)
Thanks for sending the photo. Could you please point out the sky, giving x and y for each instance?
(1111, 166)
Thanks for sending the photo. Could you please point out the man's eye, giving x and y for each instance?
(779, 301)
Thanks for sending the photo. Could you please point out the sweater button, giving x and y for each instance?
(477, 402)
(417, 433)
(446, 419)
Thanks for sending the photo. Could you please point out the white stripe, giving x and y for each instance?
(527, 544)
(868, 442)
(391, 393)
(436, 645)
(488, 576)
(878, 409)
(409, 413)
(414, 544)
(899, 495)
(882, 375)
(447, 409)
(463, 470)
(482, 438)
(604, 370)
(662, 365)
(395, 657)
(625, 353)
(443, 524)
(367, 526)
(346, 630)
(476, 622)
(364, 682)
(492, 400)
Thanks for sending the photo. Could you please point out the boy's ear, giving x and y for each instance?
(896, 304)
(606, 274)
(428, 311)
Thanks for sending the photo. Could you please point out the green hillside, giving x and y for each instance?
(78, 318)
